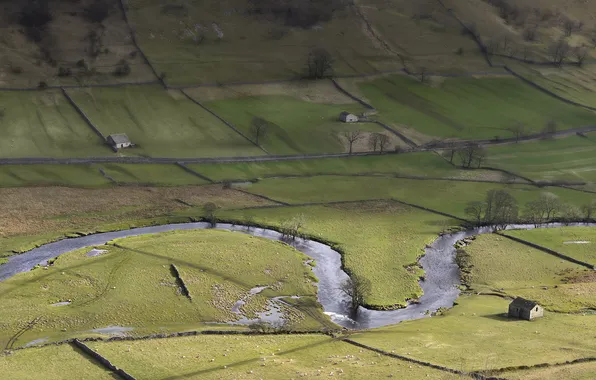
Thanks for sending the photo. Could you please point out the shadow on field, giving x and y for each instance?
(501, 317)
(247, 361)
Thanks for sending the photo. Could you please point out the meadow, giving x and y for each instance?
(250, 357)
(160, 123)
(570, 159)
(102, 292)
(469, 108)
(151, 174)
(510, 268)
(48, 175)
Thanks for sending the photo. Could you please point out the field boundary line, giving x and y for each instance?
(222, 120)
(133, 37)
(262, 197)
(194, 172)
(349, 95)
(540, 365)
(431, 210)
(97, 358)
(547, 250)
(411, 143)
(180, 282)
(419, 362)
(83, 115)
(106, 176)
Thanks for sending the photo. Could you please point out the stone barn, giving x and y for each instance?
(347, 117)
(521, 308)
(119, 141)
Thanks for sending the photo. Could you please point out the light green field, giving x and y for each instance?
(43, 124)
(154, 174)
(428, 193)
(569, 159)
(582, 371)
(133, 286)
(381, 241)
(468, 107)
(161, 123)
(295, 126)
(254, 357)
(508, 267)
(52, 362)
(577, 242)
(415, 164)
(476, 335)
(44, 175)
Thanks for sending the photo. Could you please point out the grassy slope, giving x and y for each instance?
(475, 335)
(295, 126)
(428, 193)
(516, 270)
(62, 175)
(469, 107)
(161, 123)
(583, 371)
(160, 175)
(43, 124)
(568, 159)
(379, 240)
(133, 286)
(53, 362)
(556, 239)
(250, 357)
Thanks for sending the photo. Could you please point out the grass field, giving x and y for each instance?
(295, 126)
(568, 159)
(43, 124)
(44, 175)
(476, 335)
(162, 124)
(468, 107)
(582, 371)
(427, 193)
(55, 362)
(381, 241)
(577, 242)
(250, 357)
(131, 285)
(508, 267)
(156, 175)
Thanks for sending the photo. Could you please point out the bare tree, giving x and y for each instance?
(558, 51)
(580, 53)
(501, 208)
(352, 137)
(357, 288)
(570, 213)
(589, 210)
(373, 141)
(550, 129)
(471, 154)
(210, 211)
(320, 63)
(475, 210)
(451, 149)
(422, 74)
(259, 129)
(384, 141)
(533, 213)
(550, 205)
(518, 131)
(530, 33)
(292, 228)
(570, 26)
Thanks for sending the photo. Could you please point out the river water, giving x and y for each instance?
(439, 285)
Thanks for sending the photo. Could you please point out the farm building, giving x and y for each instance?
(347, 117)
(119, 141)
(521, 308)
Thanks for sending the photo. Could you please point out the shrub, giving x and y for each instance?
(122, 68)
(64, 72)
(97, 11)
(16, 69)
(42, 85)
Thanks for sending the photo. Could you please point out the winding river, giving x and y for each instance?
(439, 285)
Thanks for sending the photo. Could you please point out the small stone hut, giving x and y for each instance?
(119, 141)
(521, 308)
(347, 117)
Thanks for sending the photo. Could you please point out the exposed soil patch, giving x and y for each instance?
(588, 276)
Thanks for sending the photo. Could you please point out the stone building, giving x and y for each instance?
(119, 141)
(521, 308)
(347, 117)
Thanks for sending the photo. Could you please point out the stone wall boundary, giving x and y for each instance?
(101, 360)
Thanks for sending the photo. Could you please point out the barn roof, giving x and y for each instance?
(345, 113)
(523, 303)
(119, 138)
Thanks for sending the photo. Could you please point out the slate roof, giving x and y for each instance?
(523, 303)
(119, 138)
(344, 114)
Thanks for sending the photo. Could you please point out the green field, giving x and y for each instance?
(507, 267)
(55, 362)
(577, 242)
(46, 175)
(582, 371)
(145, 174)
(160, 123)
(569, 159)
(295, 126)
(380, 240)
(476, 335)
(428, 193)
(250, 357)
(468, 107)
(43, 124)
(132, 285)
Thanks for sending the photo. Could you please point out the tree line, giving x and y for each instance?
(500, 208)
